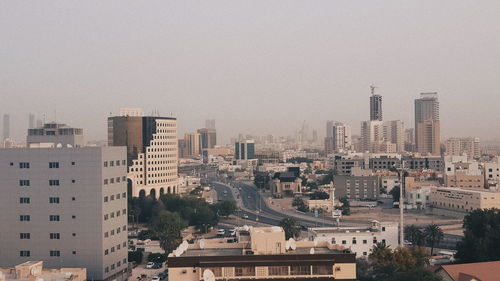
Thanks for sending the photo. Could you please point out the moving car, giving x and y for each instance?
(221, 232)
(245, 216)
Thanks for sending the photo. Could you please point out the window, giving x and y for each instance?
(113, 232)
(53, 182)
(383, 227)
(105, 198)
(24, 200)
(106, 252)
(106, 234)
(322, 269)
(112, 249)
(73, 217)
(244, 271)
(24, 236)
(354, 241)
(344, 242)
(124, 162)
(277, 270)
(118, 196)
(105, 163)
(124, 228)
(111, 163)
(24, 218)
(73, 181)
(72, 163)
(54, 200)
(112, 180)
(112, 198)
(55, 236)
(24, 165)
(53, 165)
(74, 252)
(24, 182)
(117, 162)
(54, 218)
(124, 245)
(12, 163)
(300, 270)
(124, 194)
(365, 242)
(73, 198)
(112, 266)
(55, 253)
(106, 217)
(106, 270)
(24, 253)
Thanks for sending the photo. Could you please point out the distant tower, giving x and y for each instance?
(210, 123)
(31, 124)
(427, 125)
(6, 126)
(375, 105)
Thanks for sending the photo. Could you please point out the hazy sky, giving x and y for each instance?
(255, 66)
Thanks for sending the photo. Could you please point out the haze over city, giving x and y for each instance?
(257, 67)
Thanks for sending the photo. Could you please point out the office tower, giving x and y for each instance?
(338, 137)
(66, 207)
(56, 133)
(208, 138)
(193, 144)
(314, 136)
(6, 126)
(372, 133)
(427, 125)
(460, 146)
(182, 148)
(151, 143)
(244, 150)
(210, 123)
(375, 105)
(39, 123)
(31, 121)
(394, 132)
(410, 139)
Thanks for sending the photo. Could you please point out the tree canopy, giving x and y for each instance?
(289, 225)
(167, 226)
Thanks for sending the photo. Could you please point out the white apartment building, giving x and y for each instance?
(338, 137)
(378, 136)
(470, 146)
(359, 240)
(492, 173)
(66, 207)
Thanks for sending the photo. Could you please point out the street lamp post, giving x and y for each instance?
(401, 202)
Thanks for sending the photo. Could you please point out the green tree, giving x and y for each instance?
(414, 235)
(225, 208)
(395, 192)
(433, 236)
(300, 204)
(289, 225)
(481, 241)
(346, 206)
(262, 180)
(328, 178)
(168, 226)
(319, 195)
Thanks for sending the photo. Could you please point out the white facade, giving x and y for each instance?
(66, 207)
(359, 240)
(339, 134)
(154, 172)
(492, 173)
(459, 146)
(418, 198)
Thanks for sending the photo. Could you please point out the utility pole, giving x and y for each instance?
(401, 195)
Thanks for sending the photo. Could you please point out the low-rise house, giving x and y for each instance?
(33, 270)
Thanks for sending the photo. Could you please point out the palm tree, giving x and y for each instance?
(289, 225)
(414, 235)
(433, 235)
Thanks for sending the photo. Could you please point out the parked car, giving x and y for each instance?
(157, 265)
(232, 232)
(150, 265)
(155, 278)
(162, 275)
(221, 232)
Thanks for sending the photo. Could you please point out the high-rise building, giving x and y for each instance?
(6, 126)
(210, 123)
(208, 138)
(244, 150)
(372, 134)
(182, 148)
(375, 105)
(410, 139)
(193, 144)
(31, 124)
(427, 125)
(338, 137)
(394, 132)
(458, 146)
(56, 133)
(152, 155)
(65, 206)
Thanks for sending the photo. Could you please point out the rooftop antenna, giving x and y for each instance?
(372, 88)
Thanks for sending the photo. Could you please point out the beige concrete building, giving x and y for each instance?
(33, 270)
(66, 207)
(463, 200)
(462, 174)
(470, 146)
(286, 184)
(427, 124)
(261, 253)
(192, 144)
(152, 151)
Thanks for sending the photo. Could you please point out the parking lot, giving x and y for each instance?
(149, 273)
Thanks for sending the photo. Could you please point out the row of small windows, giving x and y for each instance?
(112, 197)
(112, 214)
(51, 182)
(26, 165)
(52, 253)
(28, 235)
(112, 249)
(117, 179)
(51, 217)
(115, 163)
(118, 264)
(52, 200)
(118, 230)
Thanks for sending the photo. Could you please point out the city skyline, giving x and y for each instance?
(246, 54)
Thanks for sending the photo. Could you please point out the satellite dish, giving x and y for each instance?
(202, 243)
(59, 145)
(311, 251)
(178, 253)
(293, 244)
(208, 275)
(246, 228)
(184, 246)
